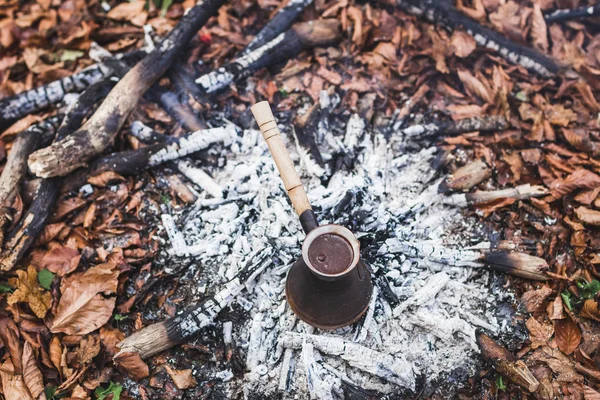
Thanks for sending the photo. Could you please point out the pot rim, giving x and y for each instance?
(337, 230)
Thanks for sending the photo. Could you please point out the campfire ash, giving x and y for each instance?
(431, 292)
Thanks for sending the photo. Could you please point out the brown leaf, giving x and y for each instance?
(83, 308)
(538, 334)
(567, 335)
(130, 11)
(32, 375)
(183, 379)
(588, 216)
(590, 310)
(590, 394)
(61, 260)
(56, 351)
(463, 44)
(13, 386)
(580, 179)
(89, 347)
(539, 30)
(105, 178)
(10, 337)
(133, 365)
(558, 362)
(555, 309)
(29, 291)
(580, 139)
(474, 85)
(557, 114)
(329, 76)
(110, 337)
(534, 299)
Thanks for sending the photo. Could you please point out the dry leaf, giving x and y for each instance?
(29, 291)
(580, 179)
(133, 365)
(567, 335)
(588, 216)
(127, 11)
(10, 337)
(56, 351)
(475, 86)
(183, 379)
(539, 334)
(539, 30)
(590, 310)
(555, 309)
(110, 337)
(61, 260)
(32, 376)
(463, 44)
(534, 299)
(557, 114)
(89, 347)
(105, 178)
(83, 308)
(13, 386)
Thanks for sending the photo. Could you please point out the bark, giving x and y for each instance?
(444, 14)
(301, 36)
(161, 336)
(570, 14)
(34, 220)
(99, 131)
(34, 100)
(281, 22)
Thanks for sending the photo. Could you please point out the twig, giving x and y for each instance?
(34, 100)
(281, 22)
(99, 131)
(521, 192)
(453, 128)
(300, 36)
(161, 336)
(569, 14)
(447, 16)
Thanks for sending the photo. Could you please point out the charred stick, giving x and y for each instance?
(521, 192)
(34, 100)
(147, 135)
(301, 36)
(99, 131)
(570, 14)
(453, 128)
(281, 22)
(444, 14)
(34, 220)
(306, 128)
(518, 264)
(161, 336)
(506, 363)
(179, 110)
(466, 177)
(134, 161)
(26, 142)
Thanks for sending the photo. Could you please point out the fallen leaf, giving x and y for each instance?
(474, 85)
(110, 337)
(29, 291)
(534, 299)
(555, 309)
(463, 44)
(127, 11)
(539, 334)
(183, 379)
(588, 216)
(82, 307)
(32, 375)
(61, 260)
(590, 310)
(56, 351)
(133, 365)
(557, 114)
(539, 30)
(579, 179)
(13, 386)
(567, 335)
(10, 337)
(105, 178)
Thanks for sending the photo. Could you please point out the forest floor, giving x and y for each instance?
(121, 253)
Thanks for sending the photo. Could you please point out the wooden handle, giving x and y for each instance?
(291, 180)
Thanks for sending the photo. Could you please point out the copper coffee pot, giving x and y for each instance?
(328, 286)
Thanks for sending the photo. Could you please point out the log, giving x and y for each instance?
(301, 36)
(161, 336)
(562, 15)
(444, 14)
(99, 131)
(281, 22)
(34, 220)
(38, 99)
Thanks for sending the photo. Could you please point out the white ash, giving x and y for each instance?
(419, 245)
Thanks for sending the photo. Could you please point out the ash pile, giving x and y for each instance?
(431, 292)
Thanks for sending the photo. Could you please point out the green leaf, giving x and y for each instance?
(4, 288)
(45, 278)
(522, 96)
(165, 6)
(49, 391)
(165, 199)
(587, 290)
(114, 388)
(566, 296)
(120, 317)
(500, 383)
(71, 55)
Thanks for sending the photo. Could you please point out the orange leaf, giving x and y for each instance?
(590, 310)
(133, 365)
(183, 379)
(567, 335)
(31, 372)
